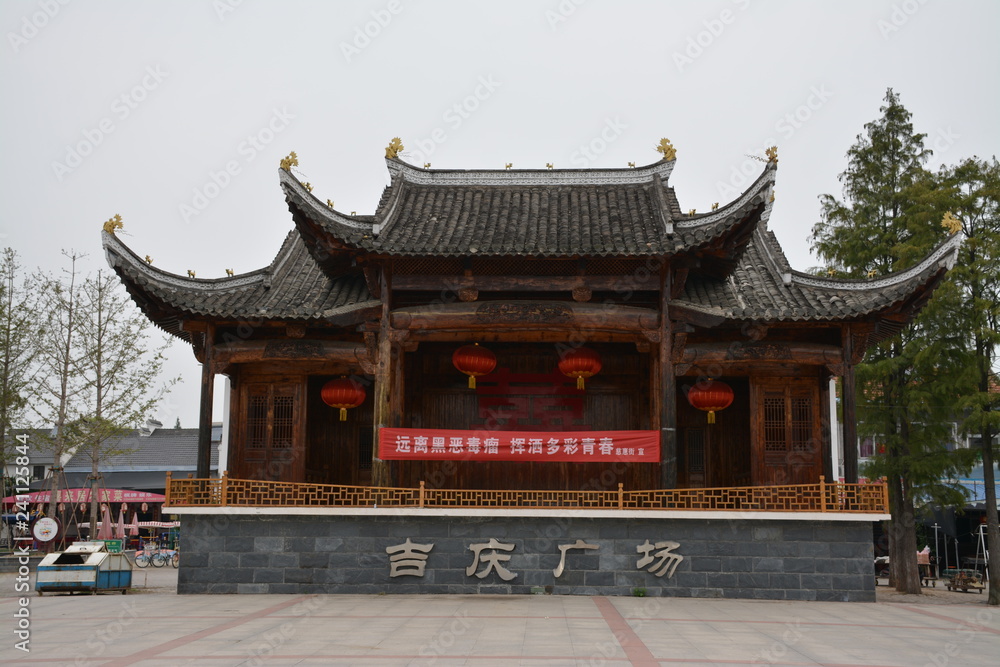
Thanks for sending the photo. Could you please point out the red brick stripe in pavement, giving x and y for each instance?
(155, 651)
(636, 651)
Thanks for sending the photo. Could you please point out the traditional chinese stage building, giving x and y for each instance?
(599, 323)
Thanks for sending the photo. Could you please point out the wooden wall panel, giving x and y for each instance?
(438, 397)
(725, 445)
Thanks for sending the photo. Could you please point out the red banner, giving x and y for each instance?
(427, 444)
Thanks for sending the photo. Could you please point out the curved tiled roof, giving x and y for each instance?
(763, 287)
(538, 213)
(292, 288)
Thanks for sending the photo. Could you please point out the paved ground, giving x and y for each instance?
(152, 626)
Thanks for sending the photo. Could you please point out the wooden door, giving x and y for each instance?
(787, 439)
(272, 433)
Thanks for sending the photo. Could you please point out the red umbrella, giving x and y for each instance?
(104, 533)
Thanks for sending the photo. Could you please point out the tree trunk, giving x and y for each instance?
(903, 542)
(992, 529)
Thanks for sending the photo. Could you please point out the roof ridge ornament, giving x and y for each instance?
(114, 223)
(666, 149)
(951, 223)
(772, 154)
(394, 148)
(289, 161)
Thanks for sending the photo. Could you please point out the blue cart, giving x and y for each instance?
(84, 566)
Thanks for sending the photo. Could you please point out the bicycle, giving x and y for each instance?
(142, 558)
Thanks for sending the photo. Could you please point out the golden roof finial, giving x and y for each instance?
(329, 203)
(951, 223)
(229, 272)
(872, 273)
(548, 165)
(831, 272)
(114, 223)
(508, 165)
(394, 148)
(308, 186)
(149, 260)
(427, 165)
(289, 161)
(190, 273)
(666, 149)
(715, 206)
(772, 154)
(632, 164)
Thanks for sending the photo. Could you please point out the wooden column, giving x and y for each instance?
(668, 388)
(383, 386)
(850, 431)
(205, 414)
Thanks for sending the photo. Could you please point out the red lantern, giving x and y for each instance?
(580, 363)
(711, 396)
(474, 361)
(343, 393)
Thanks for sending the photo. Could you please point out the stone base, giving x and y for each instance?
(734, 558)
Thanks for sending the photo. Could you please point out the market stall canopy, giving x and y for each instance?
(83, 496)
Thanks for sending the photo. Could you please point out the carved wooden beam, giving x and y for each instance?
(803, 353)
(525, 315)
(250, 351)
(455, 283)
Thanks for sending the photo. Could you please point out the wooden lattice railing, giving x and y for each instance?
(821, 497)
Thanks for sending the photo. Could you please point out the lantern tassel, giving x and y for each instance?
(472, 382)
(579, 382)
(711, 416)
(343, 414)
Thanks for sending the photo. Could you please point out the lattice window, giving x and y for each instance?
(775, 438)
(283, 422)
(802, 423)
(257, 409)
(696, 452)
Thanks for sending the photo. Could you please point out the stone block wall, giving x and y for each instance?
(762, 559)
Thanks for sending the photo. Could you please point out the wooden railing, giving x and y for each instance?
(821, 497)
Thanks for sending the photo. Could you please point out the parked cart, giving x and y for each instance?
(963, 580)
(84, 566)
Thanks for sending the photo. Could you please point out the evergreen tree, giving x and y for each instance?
(973, 187)
(890, 218)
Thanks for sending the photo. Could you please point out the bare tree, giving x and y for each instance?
(18, 336)
(121, 371)
(58, 390)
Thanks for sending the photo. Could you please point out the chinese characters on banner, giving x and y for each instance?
(410, 559)
(426, 444)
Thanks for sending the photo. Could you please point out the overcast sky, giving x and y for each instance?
(141, 108)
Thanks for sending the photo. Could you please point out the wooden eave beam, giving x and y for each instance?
(802, 353)
(413, 282)
(526, 316)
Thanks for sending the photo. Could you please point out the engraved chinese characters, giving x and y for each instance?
(410, 559)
